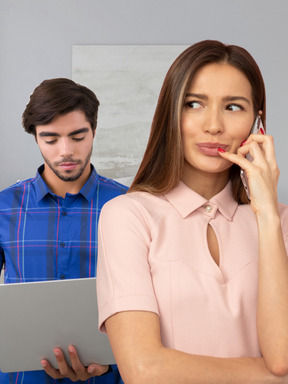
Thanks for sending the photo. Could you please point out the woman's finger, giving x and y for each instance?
(266, 144)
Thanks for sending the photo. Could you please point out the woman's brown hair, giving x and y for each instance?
(162, 163)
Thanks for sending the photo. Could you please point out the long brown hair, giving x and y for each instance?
(162, 163)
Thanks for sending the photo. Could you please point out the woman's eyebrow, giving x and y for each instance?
(200, 96)
(235, 98)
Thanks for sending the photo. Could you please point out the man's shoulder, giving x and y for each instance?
(107, 184)
(15, 189)
(107, 189)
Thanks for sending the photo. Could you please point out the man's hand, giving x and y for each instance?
(76, 371)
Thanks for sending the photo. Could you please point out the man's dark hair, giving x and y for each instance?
(56, 97)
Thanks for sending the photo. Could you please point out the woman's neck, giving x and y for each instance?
(205, 184)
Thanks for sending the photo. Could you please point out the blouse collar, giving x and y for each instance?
(186, 201)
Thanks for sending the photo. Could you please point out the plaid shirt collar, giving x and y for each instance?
(87, 191)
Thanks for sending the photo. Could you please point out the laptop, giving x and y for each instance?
(39, 316)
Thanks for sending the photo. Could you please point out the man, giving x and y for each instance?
(48, 224)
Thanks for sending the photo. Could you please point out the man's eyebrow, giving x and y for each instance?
(77, 131)
(46, 133)
(55, 134)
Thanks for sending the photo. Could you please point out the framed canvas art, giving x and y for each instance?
(127, 80)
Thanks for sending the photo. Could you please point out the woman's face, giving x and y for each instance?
(218, 112)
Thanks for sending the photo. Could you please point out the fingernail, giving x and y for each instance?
(243, 143)
(57, 353)
(44, 364)
(91, 370)
(221, 150)
(262, 131)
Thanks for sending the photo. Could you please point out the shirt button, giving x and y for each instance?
(62, 245)
(62, 276)
(208, 208)
(64, 213)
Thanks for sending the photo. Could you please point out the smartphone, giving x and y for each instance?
(257, 126)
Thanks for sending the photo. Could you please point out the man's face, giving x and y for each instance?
(66, 146)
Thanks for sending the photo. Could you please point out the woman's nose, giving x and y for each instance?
(214, 123)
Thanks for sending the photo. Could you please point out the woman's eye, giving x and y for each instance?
(234, 107)
(193, 105)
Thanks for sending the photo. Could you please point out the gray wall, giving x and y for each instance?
(36, 38)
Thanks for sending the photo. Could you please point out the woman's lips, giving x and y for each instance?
(211, 149)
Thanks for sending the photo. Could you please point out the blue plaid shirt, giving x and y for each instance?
(47, 237)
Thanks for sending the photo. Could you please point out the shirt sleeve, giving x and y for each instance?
(124, 280)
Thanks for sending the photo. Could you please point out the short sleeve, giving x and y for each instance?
(124, 280)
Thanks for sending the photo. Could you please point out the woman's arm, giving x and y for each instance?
(141, 357)
(272, 311)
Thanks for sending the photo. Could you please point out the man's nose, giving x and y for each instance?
(66, 147)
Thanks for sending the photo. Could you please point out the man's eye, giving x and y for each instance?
(50, 141)
(193, 105)
(234, 107)
(78, 138)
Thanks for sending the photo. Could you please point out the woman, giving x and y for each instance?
(192, 279)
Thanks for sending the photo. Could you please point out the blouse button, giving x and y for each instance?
(208, 208)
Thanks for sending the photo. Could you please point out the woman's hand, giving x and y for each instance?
(272, 305)
(262, 172)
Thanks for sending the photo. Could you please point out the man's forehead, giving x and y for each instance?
(65, 124)
(42, 132)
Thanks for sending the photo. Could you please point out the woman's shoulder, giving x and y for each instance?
(139, 202)
(134, 199)
(135, 212)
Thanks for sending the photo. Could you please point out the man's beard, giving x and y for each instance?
(67, 177)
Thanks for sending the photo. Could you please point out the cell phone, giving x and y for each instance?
(257, 126)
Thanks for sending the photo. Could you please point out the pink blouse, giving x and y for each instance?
(154, 256)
